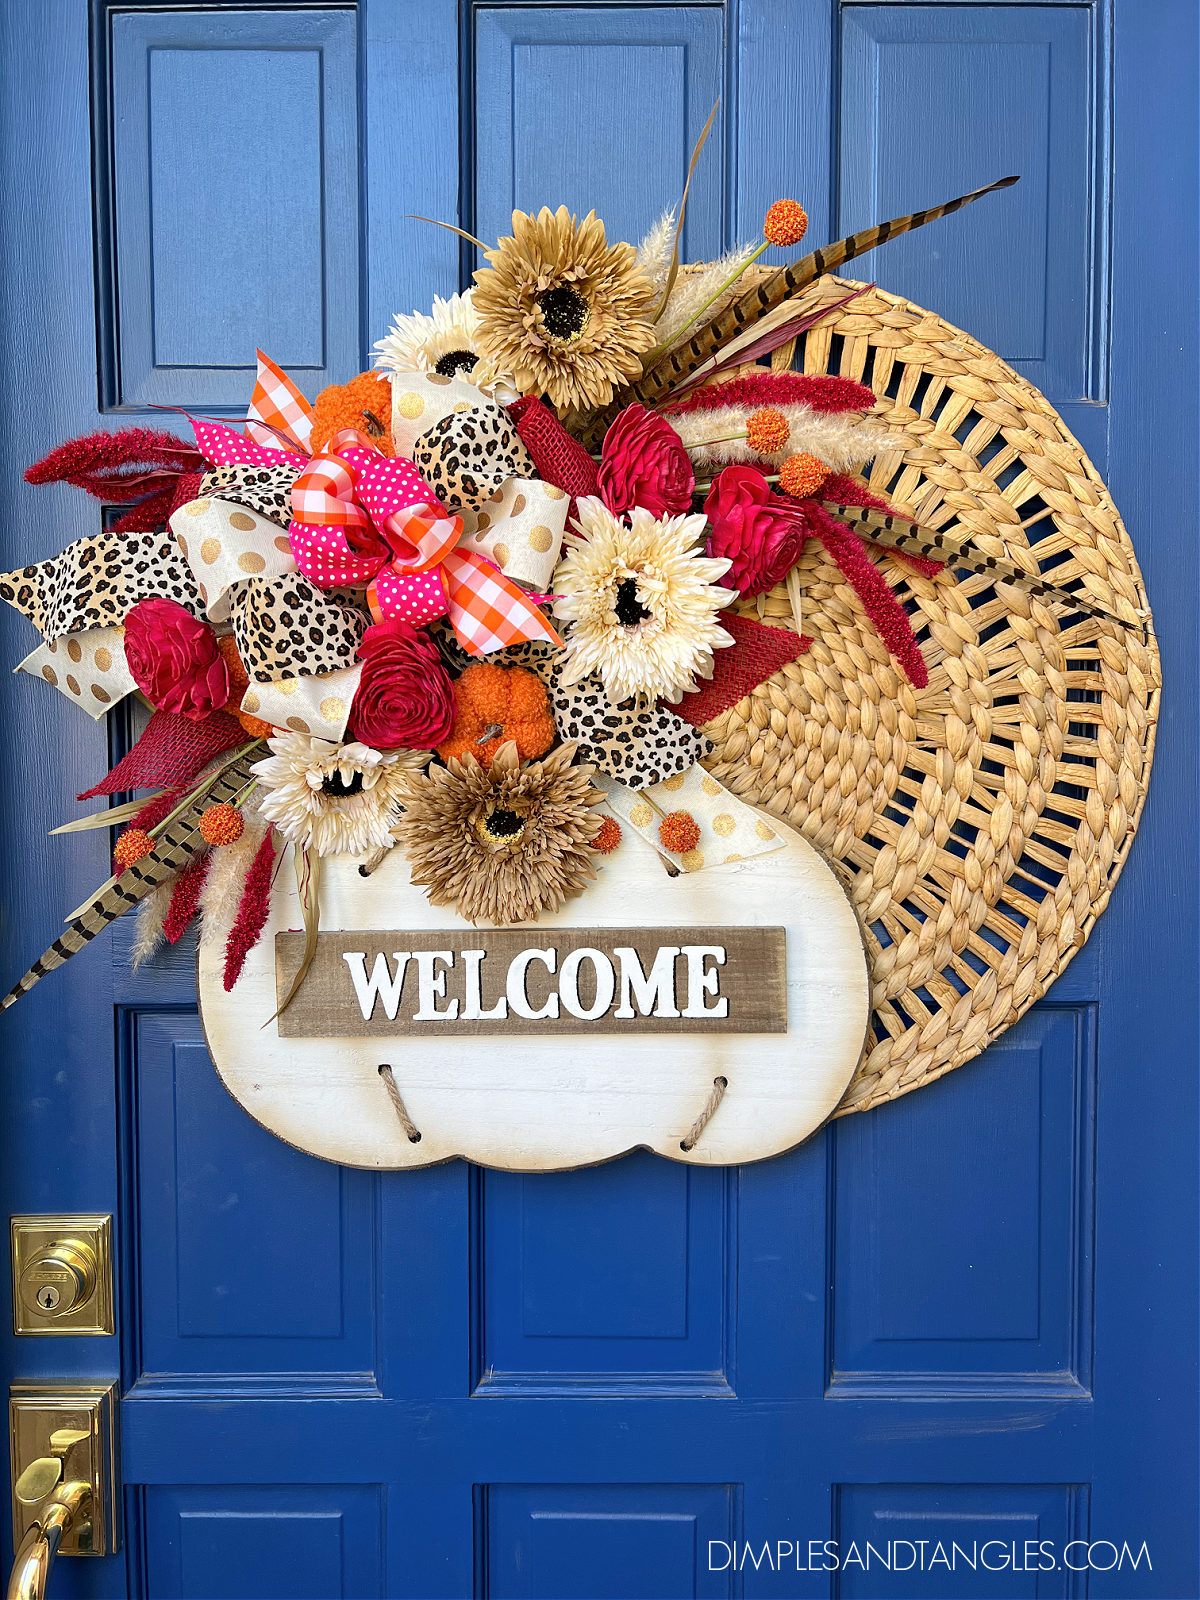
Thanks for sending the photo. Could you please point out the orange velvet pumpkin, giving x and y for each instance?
(239, 682)
(502, 703)
(364, 403)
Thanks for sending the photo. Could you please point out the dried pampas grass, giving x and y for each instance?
(844, 441)
(222, 891)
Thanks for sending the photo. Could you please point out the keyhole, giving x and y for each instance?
(48, 1297)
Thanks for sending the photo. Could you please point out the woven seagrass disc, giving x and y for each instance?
(982, 821)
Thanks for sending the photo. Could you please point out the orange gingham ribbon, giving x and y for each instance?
(278, 404)
(359, 516)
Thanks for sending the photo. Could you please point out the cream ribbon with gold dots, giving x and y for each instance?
(226, 543)
(730, 830)
(88, 667)
(319, 704)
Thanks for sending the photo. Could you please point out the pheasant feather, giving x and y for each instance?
(900, 534)
(679, 363)
(176, 846)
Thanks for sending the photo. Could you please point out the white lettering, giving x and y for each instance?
(655, 991)
(724, 1547)
(380, 984)
(568, 984)
(518, 1000)
(700, 982)
(472, 1010)
(431, 987)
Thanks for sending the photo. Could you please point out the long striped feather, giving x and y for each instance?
(679, 363)
(175, 847)
(900, 534)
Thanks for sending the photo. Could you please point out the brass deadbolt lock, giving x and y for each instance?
(59, 1279)
(62, 1274)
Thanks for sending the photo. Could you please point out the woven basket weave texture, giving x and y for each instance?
(981, 822)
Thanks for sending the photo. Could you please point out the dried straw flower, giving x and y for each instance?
(564, 311)
(501, 844)
(340, 799)
(785, 223)
(642, 602)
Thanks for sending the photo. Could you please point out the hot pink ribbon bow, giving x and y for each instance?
(359, 516)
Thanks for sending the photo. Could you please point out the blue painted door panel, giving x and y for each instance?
(235, 201)
(598, 109)
(966, 1317)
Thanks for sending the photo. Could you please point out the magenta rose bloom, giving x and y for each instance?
(643, 463)
(174, 660)
(761, 535)
(404, 699)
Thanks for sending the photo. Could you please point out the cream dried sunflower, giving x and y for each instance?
(564, 311)
(501, 844)
(445, 342)
(339, 798)
(642, 602)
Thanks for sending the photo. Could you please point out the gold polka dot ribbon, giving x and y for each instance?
(317, 705)
(88, 667)
(726, 830)
(225, 543)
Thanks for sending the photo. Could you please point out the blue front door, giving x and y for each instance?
(965, 1317)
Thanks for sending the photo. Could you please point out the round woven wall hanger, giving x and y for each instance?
(982, 821)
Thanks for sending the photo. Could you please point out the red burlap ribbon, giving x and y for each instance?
(171, 752)
(757, 654)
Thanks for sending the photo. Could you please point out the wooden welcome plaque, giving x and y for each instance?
(753, 971)
(505, 981)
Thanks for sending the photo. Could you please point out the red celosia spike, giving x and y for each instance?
(155, 810)
(880, 604)
(849, 492)
(822, 391)
(186, 898)
(252, 912)
(118, 467)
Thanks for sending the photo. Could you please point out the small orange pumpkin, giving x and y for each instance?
(364, 403)
(493, 705)
(239, 682)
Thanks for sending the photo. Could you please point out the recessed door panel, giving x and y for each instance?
(234, 202)
(963, 1223)
(575, 1542)
(921, 1541)
(598, 109)
(614, 1276)
(253, 1259)
(293, 1542)
(939, 99)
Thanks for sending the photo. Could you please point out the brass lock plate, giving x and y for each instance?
(62, 1274)
(75, 1423)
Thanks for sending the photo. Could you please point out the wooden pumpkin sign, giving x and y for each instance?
(735, 998)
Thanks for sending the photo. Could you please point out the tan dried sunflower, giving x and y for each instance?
(501, 844)
(564, 311)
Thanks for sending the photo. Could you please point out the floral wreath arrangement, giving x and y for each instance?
(475, 603)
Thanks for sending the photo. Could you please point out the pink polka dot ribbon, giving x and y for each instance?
(360, 517)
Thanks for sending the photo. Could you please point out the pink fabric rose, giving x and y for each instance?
(404, 699)
(761, 535)
(174, 660)
(643, 463)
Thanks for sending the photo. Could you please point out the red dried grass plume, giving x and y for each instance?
(252, 912)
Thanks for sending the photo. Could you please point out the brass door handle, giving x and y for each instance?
(65, 1509)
